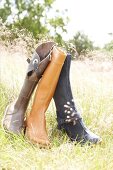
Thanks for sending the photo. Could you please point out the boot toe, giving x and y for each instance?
(6, 121)
(80, 133)
(11, 122)
(92, 138)
(87, 135)
(35, 137)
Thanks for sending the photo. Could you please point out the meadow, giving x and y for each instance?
(92, 86)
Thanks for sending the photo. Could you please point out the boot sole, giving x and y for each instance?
(2, 122)
(38, 144)
(4, 127)
(41, 143)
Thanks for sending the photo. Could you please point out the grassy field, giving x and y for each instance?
(92, 85)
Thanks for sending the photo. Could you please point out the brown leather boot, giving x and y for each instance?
(36, 125)
(13, 120)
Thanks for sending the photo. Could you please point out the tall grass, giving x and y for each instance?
(92, 86)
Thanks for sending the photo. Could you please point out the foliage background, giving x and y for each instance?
(40, 20)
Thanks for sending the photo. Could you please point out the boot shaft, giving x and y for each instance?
(63, 97)
(47, 85)
(36, 124)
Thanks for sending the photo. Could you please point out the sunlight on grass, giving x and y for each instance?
(92, 85)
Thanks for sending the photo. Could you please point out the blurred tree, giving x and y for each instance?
(82, 43)
(5, 10)
(33, 15)
(109, 46)
(58, 24)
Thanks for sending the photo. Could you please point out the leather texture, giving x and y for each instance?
(13, 120)
(63, 97)
(36, 124)
(68, 117)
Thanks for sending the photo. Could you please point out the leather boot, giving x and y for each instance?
(13, 120)
(35, 123)
(67, 115)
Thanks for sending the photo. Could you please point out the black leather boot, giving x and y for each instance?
(13, 120)
(67, 115)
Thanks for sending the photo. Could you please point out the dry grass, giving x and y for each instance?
(92, 85)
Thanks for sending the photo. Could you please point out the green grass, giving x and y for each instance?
(92, 85)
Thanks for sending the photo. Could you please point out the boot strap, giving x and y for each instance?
(50, 52)
(36, 61)
(36, 64)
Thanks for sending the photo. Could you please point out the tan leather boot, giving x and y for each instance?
(36, 124)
